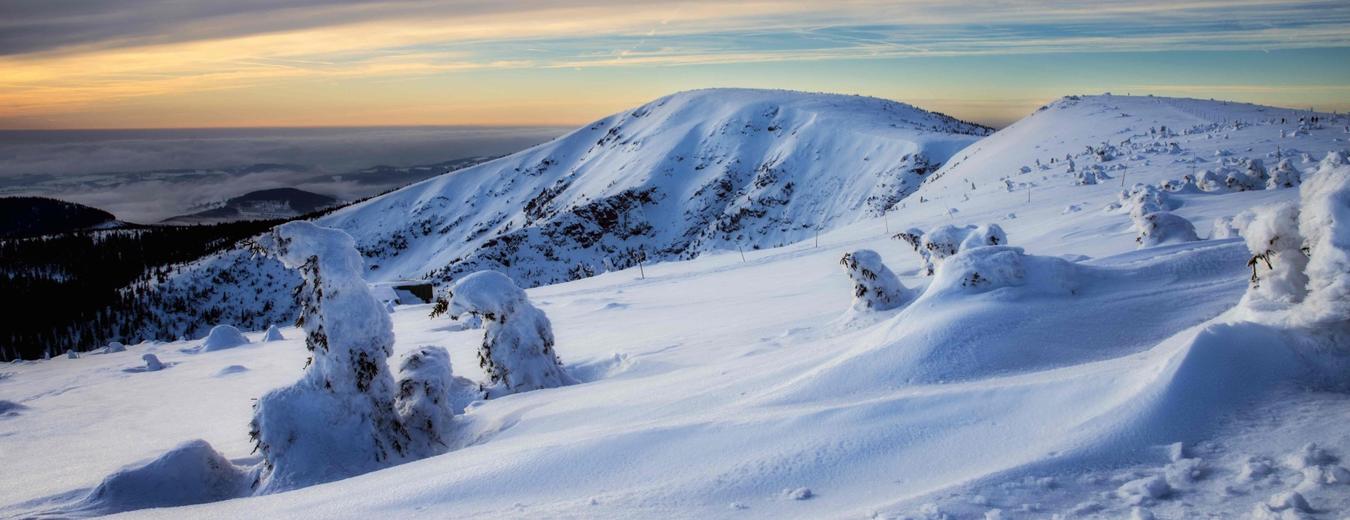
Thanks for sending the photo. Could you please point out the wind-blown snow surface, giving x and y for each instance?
(716, 388)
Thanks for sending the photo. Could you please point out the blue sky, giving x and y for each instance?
(160, 63)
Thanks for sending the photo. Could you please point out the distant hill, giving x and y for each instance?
(33, 216)
(259, 205)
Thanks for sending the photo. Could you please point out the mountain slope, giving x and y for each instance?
(33, 216)
(689, 173)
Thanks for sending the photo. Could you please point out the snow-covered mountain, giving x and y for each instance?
(1094, 376)
(686, 174)
(698, 171)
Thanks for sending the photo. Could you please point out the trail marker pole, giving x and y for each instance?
(742, 250)
(1028, 194)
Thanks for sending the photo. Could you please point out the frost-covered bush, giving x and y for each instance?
(71, 354)
(273, 334)
(517, 352)
(1186, 184)
(1142, 199)
(1163, 227)
(1285, 175)
(1301, 254)
(1209, 180)
(152, 363)
(1273, 237)
(338, 420)
(423, 401)
(114, 346)
(1085, 177)
(1324, 222)
(947, 240)
(1251, 175)
(984, 269)
(222, 337)
(875, 287)
(1231, 227)
(914, 237)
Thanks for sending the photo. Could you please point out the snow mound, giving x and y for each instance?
(190, 473)
(273, 334)
(114, 347)
(152, 363)
(1163, 227)
(222, 337)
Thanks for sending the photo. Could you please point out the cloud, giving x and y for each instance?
(149, 175)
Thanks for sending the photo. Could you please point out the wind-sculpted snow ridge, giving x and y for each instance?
(686, 174)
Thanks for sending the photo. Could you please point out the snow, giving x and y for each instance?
(222, 337)
(1059, 383)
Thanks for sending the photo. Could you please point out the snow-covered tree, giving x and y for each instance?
(339, 419)
(517, 352)
(423, 401)
(875, 287)
(1285, 175)
(1163, 227)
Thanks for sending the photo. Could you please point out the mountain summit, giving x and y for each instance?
(696, 171)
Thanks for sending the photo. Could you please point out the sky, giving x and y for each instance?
(262, 63)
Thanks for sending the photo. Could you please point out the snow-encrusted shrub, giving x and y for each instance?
(947, 240)
(1273, 237)
(1231, 227)
(875, 287)
(1186, 184)
(1251, 176)
(914, 237)
(339, 419)
(1163, 227)
(1142, 199)
(1085, 177)
(423, 401)
(222, 337)
(1324, 222)
(72, 354)
(1209, 180)
(1285, 175)
(152, 363)
(190, 473)
(115, 346)
(273, 334)
(1301, 254)
(517, 352)
(983, 269)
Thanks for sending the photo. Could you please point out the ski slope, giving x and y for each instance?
(730, 387)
